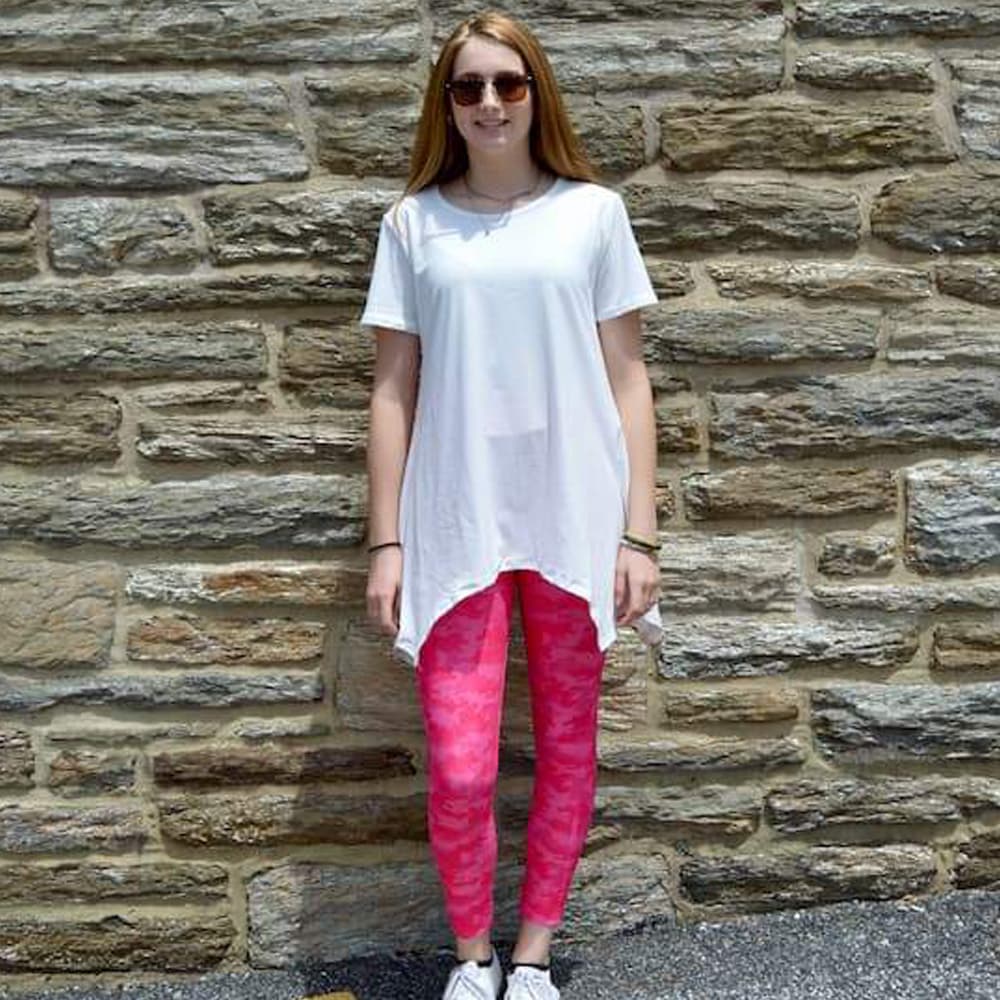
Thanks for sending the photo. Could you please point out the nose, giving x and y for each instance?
(490, 97)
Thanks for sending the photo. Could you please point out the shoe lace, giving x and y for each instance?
(464, 975)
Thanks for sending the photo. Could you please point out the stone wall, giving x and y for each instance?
(209, 757)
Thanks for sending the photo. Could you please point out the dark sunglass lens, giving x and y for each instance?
(511, 87)
(467, 91)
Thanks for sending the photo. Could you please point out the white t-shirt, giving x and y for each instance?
(517, 457)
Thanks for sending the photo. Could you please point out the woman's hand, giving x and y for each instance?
(385, 574)
(637, 584)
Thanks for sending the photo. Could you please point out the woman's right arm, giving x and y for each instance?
(393, 402)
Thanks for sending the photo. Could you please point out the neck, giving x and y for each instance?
(498, 176)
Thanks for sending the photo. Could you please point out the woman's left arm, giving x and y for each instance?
(636, 574)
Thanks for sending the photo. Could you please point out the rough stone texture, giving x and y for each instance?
(224, 766)
(951, 515)
(259, 730)
(37, 828)
(188, 638)
(158, 944)
(295, 584)
(137, 131)
(18, 257)
(364, 121)
(734, 335)
(978, 90)
(765, 215)
(775, 491)
(82, 427)
(327, 365)
(160, 294)
(102, 235)
(854, 553)
(965, 646)
(611, 133)
(977, 862)
(336, 224)
(949, 213)
(975, 282)
(56, 615)
(308, 814)
(198, 31)
(908, 721)
(695, 753)
(709, 810)
(855, 414)
(136, 350)
(151, 691)
(102, 881)
(934, 18)
(843, 281)
(686, 707)
(796, 133)
(903, 71)
(677, 429)
(215, 512)
(750, 571)
(824, 874)
(207, 395)
(754, 647)
(944, 336)
(17, 759)
(237, 438)
(86, 772)
(957, 595)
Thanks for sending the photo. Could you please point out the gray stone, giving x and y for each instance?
(723, 215)
(750, 570)
(977, 862)
(944, 336)
(853, 553)
(194, 31)
(18, 256)
(735, 335)
(215, 512)
(92, 772)
(976, 106)
(145, 691)
(207, 395)
(111, 131)
(305, 814)
(104, 235)
(36, 828)
(264, 730)
(817, 875)
(937, 595)
(855, 414)
(793, 132)
(612, 134)
(952, 213)
(692, 752)
(709, 810)
(762, 491)
(82, 427)
(677, 429)
(881, 722)
(951, 515)
(327, 364)
(17, 760)
(900, 71)
(139, 349)
(237, 439)
(843, 281)
(860, 19)
(756, 647)
(975, 282)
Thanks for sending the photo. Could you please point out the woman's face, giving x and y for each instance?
(491, 127)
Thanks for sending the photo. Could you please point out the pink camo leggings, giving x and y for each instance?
(460, 675)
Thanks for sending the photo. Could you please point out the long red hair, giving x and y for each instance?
(439, 154)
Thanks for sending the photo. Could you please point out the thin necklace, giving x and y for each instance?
(508, 198)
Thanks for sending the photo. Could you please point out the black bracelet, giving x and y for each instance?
(372, 548)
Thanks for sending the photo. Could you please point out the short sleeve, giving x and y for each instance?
(622, 281)
(391, 297)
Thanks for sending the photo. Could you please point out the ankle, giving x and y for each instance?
(478, 951)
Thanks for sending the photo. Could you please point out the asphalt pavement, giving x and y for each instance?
(943, 947)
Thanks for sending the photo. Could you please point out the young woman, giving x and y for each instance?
(507, 284)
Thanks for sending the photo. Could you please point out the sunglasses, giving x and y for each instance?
(510, 87)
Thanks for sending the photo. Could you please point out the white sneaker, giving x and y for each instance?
(470, 981)
(529, 983)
